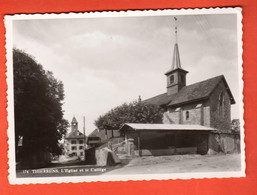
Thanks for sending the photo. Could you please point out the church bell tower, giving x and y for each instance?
(176, 76)
(74, 124)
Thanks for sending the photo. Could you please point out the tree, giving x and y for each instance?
(38, 100)
(235, 125)
(134, 112)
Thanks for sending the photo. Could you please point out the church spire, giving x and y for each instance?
(176, 76)
(176, 59)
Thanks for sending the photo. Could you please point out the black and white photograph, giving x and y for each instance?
(117, 96)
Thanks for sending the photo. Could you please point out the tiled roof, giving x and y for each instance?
(75, 135)
(95, 133)
(190, 93)
(169, 127)
(101, 134)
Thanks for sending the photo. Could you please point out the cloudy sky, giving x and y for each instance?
(104, 62)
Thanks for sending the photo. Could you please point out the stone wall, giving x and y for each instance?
(220, 122)
(224, 142)
(198, 112)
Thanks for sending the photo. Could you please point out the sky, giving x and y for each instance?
(104, 62)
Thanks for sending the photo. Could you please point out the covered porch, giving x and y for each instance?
(167, 139)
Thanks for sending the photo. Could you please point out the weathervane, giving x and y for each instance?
(176, 29)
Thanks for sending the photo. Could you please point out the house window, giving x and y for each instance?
(187, 115)
(221, 104)
(81, 153)
(171, 79)
(81, 141)
(73, 148)
(73, 142)
(81, 147)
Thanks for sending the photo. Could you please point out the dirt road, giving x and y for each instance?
(180, 164)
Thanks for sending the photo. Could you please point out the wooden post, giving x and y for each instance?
(175, 151)
(106, 134)
(139, 144)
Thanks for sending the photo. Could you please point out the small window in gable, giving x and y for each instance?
(171, 79)
(198, 106)
(187, 115)
(178, 109)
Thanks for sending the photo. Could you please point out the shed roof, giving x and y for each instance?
(101, 134)
(194, 92)
(169, 127)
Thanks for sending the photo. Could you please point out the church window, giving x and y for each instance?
(182, 78)
(221, 104)
(187, 115)
(73, 142)
(81, 141)
(171, 79)
(73, 148)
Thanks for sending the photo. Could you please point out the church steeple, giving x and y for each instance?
(176, 76)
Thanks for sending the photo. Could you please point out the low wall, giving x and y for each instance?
(171, 151)
(224, 142)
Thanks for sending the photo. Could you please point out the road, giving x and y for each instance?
(180, 164)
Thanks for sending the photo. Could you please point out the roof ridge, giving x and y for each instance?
(221, 76)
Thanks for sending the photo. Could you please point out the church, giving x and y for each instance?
(196, 119)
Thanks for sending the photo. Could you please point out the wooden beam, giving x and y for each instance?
(139, 144)
(175, 150)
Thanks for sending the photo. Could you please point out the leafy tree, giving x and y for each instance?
(134, 112)
(38, 100)
(235, 125)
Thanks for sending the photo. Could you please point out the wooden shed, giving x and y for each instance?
(167, 139)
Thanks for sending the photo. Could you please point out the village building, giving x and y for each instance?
(196, 119)
(75, 141)
(98, 137)
(94, 139)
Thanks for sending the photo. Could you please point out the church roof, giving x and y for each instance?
(190, 93)
(75, 135)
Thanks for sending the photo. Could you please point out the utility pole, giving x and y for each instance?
(84, 132)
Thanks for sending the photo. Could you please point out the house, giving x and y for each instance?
(192, 115)
(94, 138)
(75, 143)
(98, 137)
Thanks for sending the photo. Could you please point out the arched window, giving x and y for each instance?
(187, 115)
(221, 104)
